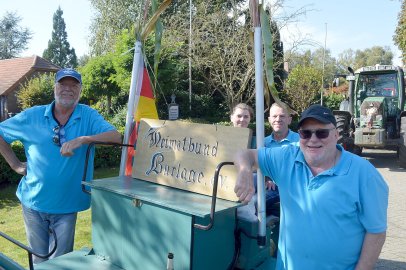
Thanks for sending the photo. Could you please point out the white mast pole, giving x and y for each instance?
(133, 98)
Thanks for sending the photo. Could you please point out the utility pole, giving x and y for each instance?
(322, 74)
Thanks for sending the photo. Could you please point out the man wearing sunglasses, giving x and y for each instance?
(55, 139)
(333, 203)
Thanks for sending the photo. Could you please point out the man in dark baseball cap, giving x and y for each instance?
(323, 189)
(319, 113)
(68, 72)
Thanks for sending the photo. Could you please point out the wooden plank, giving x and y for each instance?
(185, 155)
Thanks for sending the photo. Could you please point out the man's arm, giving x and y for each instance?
(246, 162)
(371, 248)
(110, 136)
(7, 152)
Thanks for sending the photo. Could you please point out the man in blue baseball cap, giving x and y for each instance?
(55, 139)
(333, 203)
(68, 72)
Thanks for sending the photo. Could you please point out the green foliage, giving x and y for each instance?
(98, 81)
(303, 86)
(372, 56)
(37, 91)
(107, 156)
(278, 69)
(400, 33)
(13, 37)
(111, 17)
(59, 51)
(7, 175)
(333, 100)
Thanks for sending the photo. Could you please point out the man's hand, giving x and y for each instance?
(270, 185)
(244, 187)
(245, 162)
(68, 147)
(20, 168)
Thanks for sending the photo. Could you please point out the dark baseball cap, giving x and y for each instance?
(320, 113)
(68, 72)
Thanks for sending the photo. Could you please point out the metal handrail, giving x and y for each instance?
(213, 197)
(89, 147)
(29, 250)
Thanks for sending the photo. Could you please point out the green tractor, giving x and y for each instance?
(374, 114)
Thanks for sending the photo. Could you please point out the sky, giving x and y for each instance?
(355, 24)
(350, 24)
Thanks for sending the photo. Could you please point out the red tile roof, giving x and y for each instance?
(14, 71)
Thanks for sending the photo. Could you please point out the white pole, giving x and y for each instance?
(260, 130)
(190, 55)
(133, 98)
(322, 74)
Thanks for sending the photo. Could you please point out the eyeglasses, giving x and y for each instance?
(59, 136)
(320, 133)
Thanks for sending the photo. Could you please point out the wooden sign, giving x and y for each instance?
(185, 155)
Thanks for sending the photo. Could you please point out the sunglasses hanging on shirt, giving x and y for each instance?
(59, 136)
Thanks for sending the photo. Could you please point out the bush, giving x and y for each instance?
(37, 91)
(333, 100)
(7, 174)
(106, 157)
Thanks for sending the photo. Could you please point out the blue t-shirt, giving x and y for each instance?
(292, 138)
(53, 182)
(324, 218)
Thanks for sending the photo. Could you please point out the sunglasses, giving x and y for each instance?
(320, 133)
(59, 136)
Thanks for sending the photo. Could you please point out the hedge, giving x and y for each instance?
(106, 157)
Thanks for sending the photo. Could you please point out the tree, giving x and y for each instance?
(278, 67)
(346, 59)
(400, 32)
(98, 79)
(303, 86)
(110, 19)
(37, 91)
(59, 51)
(372, 56)
(13, 38)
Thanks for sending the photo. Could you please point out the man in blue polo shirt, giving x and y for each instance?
(279, 119)
(55, 139)
(333, 203)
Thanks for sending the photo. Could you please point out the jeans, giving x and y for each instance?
(271, 198)
(41, 240)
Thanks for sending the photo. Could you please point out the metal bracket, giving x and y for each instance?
(89, 147)
(29, 250)
(213, 197)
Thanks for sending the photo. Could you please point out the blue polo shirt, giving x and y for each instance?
(53, 182)
(324, 218)
(292, 138)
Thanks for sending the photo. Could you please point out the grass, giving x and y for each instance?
(12, 224)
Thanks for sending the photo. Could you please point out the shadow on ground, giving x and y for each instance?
(390, 265)
(383, 159)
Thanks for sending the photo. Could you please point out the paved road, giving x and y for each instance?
(393, 256)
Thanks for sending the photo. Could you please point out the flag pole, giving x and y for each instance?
(259, 115)
(133, 98)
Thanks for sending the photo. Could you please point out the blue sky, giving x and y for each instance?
(355, 24)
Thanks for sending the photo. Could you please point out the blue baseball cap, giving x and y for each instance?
(320, 113)
(68, 72)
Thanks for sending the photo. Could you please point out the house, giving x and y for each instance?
(13, 74)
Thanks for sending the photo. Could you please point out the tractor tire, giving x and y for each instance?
(343, 128)
(402, 146)
(344, 135)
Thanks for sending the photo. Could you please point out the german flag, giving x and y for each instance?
(146, 109)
